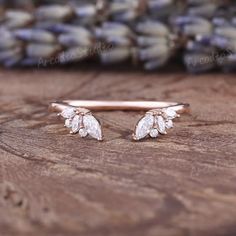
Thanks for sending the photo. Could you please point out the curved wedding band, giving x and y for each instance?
(119, 105)
(158, 118)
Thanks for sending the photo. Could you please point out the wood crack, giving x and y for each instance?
(7, 148)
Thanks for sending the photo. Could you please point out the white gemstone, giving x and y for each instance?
(170, 113)
(75, 124)
(68, 113)
(144, 126)
(92, 126)
(83, 133)
(169, 124)
(161, 125)
(154, 133)
(68, 123)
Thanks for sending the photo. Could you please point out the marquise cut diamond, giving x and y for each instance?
(68, 113)
(169, 124)
(161, 124)
(92, 126)
(144, 126)
(75, 124)
(170, 113)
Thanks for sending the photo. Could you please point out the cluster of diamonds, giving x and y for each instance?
(82, 122)
(154, 123)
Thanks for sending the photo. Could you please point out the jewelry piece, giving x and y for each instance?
(80, 120)
(158, 118)
(154, 123)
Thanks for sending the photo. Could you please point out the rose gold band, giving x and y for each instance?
(119, 105)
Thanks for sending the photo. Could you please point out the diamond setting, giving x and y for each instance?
(154, 133)
(81, 121)
(161, 126)
(169, 124)
(68, 113)
(68, 123)
(83, 133)
(155, 122)
(169, 113)
(75, 124)
(144, 126)
(92, 126)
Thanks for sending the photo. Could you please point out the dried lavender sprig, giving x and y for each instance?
(50, 38)
(134, 32)
(210, 38)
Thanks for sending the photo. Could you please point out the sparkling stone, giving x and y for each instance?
(68, 113)
(170, 113)
(68, 123)
(161, 125)
(169, 124)
(144, 126)
(92, 126)
(75, 124)
(154, 133)
(83, 133)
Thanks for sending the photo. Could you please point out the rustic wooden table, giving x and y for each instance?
(52, 183)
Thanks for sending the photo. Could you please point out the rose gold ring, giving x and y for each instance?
(155, 122)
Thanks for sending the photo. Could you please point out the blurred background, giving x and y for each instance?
(54, 184)
(198, 35)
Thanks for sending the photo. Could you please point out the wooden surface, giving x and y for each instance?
(52, 183)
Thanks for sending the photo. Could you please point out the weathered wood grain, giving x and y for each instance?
(52, 183)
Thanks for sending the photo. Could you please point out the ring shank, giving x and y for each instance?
(119, 105)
